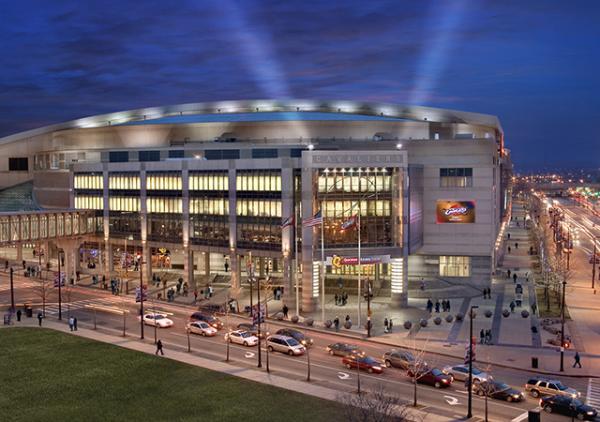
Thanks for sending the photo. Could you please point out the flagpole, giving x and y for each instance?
(323, 265)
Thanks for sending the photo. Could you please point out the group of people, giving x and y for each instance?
(388, 325)
(485, 336)
(487, 293)
(341, 299)
(73, 323)
(444, 305)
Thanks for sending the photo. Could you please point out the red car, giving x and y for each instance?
(366, 363)
(434, 377)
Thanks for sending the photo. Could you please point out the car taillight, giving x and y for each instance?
(541, 402)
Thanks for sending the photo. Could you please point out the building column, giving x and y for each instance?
(19, 247)
(399, 265)
(147, 260)
(261, 267)
(311, 281)
(108, 260)
(188, 267)
(207, 264)
(234, 259)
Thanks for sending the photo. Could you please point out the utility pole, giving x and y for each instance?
(368, 308)
(259, 318)
(142, 298)
(562, 328)
(470, 390)
(594, 265)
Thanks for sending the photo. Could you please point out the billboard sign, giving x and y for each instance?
(455, 211)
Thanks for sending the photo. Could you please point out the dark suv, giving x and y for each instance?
(211, 320)
(298, 335)
(544, 387)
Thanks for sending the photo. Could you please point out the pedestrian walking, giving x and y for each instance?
(512, 305)
(19, 315)
(508, 272)
(514, 277)
(508, 234)
(336, 299)
(488, 336)
(347, 318)
(516, 245)
(159, 348)
(195, 295)
(226, 265)
(429, 305)
(285, 310)
(509, 249)
(40, 316)
(481, 336)
(448, 305)
(71, 323)
(336, 323)
(74, 323)
(533, 307)
(422, 284)
(437, 306)
(390, 325)
(385, 325)
(577, 360)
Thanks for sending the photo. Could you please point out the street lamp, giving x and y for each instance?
(562, 328)
(142, 298)
(470, 390)
(594, 239)
(59, 287)
(12, 291)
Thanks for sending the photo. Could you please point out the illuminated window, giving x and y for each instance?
(163, 181)
(124, 203)
(259, 208)
(164, 205)
(124, 181)
(88, 181)
(456, 177)
(259, 181)
(83, 202)
(209, 206)
(455, 266)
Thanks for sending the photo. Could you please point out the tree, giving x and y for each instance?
(375, 406)
(43, 289)
(419, 367)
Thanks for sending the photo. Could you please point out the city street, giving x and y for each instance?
(326, 370)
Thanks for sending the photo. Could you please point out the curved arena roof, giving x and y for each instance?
(267, 110)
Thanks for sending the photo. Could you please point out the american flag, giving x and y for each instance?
(314, 221)
(287, 222)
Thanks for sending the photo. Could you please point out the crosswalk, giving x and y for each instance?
(19, 285)
(114, 301)
(593, 393)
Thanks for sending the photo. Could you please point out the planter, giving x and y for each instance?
(506, 313)
(348, 325)
(423, 322)
(279, 316)
(459, 316)
(524, 313)
(488, 314)
(309, 322)
(407, 325)
(295, 319)
(437, 320)
(449, 318)
(328, 323)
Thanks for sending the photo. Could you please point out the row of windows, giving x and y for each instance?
(124, 181)
(209, 181)
(124, 203)
(354, 182)
(455, 266)
(260, 182)
(368, 208)
(164, 205)
(167, 181)
(258, 208)
(88, 181)
(89, 203)
(456, 177)
(209, 206)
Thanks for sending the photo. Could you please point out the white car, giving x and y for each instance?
(242, 337)
(461, 372)
(202, 328)
(158, 320)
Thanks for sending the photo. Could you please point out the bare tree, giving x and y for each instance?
(418, 367)
(43, 290)
(375, 406)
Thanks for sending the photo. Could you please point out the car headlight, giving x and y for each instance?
(516, 396)
(444, 380)
(590, 412)
(377, 368)
(303, 342)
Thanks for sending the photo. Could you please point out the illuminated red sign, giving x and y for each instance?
(455, 212)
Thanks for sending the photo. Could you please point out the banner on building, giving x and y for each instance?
(455, 211)
(339, 261)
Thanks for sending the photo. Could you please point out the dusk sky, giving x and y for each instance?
(534, 64)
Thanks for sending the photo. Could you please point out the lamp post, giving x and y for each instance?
(142, 298)
(59, 288)
(568, 246)
(12, 291)
(259, 318)
(562, 328)
(470, 390)
(594, 264)
(368, 308)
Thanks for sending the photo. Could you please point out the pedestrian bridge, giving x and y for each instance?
(32, 226)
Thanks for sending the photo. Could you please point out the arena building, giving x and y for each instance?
(216, 191)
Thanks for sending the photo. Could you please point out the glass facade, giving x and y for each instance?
(165, 228)
(124, 181)
(258, 181)
(163, 181)
(208, 181)
(455, 266)
(83, 202)
(257, 235)
(343, 193)
(124, 203)
(164, 205)
(259, 208)
(125, 225)
(456, 177)
(209, 206)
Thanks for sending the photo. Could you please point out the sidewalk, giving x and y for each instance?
(298, 386)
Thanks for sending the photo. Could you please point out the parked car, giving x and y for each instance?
(398, 359)
(434, 377)
(245, 338)
(210, 319)
(202, 328)
(252, 328)
(285, 344)
(366, 363)
(342, 349)
(498, 390)
(158, 320)
(298, 335)
(545, 387)
(461, 373)
(568, 406)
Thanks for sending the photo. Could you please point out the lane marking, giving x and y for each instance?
(249, 355)
(343, 375)
(451, 400)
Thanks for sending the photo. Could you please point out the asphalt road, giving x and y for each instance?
(325, 370)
